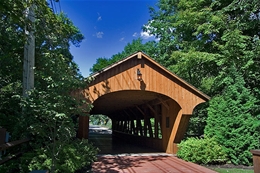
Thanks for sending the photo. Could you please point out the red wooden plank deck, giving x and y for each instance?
(145, 164)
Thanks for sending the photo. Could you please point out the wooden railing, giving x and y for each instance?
(9, 145)
(4, 145)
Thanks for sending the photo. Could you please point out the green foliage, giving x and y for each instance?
(100, 64)
(75, 155)
(46, 116)
(201, 41)
(201, 151)
(197, 121)
(232, 120)
(102, 120)
(71, 157)
(194, 65)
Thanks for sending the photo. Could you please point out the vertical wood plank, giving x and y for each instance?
(83, 127)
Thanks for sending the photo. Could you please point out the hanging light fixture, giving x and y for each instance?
(139, 75)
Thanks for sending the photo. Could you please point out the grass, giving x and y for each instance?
(233, 170)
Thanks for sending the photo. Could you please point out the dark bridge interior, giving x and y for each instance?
(133, 113)
(109, 144)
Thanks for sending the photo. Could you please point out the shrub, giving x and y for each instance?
(70, 158)
(201, 151)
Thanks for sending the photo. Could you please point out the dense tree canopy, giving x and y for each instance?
(46, 115)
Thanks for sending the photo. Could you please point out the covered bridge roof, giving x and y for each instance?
(116, 87)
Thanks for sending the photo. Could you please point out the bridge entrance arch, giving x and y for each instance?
(147, 103)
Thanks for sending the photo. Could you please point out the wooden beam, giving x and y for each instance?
(137, 125)
(150, 107)
(149, 123)
(117, 125)
(121, 125)
(139, 55)
(157, 119)
(140, 110)
(7, 158)
(131, 126)
(13, 143)
(83, 127)
(156, 122)
(170, 146)
(125, 126)
(163, 102)
(157, 101)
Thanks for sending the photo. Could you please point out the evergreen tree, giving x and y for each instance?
(231, 119)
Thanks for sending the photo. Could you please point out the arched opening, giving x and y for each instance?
(101, 135)
(100, 120)
(144, 118)
(197, 121)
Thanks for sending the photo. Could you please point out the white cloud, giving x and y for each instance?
(146, 35)
(122, 39)
(99, 34)
(99, 17)
(135, 34)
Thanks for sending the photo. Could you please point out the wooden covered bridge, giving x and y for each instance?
(147, 103)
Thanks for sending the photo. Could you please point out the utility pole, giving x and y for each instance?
(29, 52)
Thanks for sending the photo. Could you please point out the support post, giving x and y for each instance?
(83, 127)
(256, 160)
(29, 53)
(171, 147)
(2, 135)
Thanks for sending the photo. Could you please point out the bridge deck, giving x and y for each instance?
(117, 156)
(145, 164)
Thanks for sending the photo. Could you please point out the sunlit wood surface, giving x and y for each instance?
(154, 110)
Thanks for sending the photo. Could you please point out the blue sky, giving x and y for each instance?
(107, 25)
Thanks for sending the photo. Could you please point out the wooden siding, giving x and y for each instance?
(131, 104)
(155, 79)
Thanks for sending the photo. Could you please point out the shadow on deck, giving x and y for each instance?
(108, 144)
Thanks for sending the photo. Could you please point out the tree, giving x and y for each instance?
(100, 64)
(194, 29)
(231, 119)
(46, 115)
(101, 120)
(207, 42)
